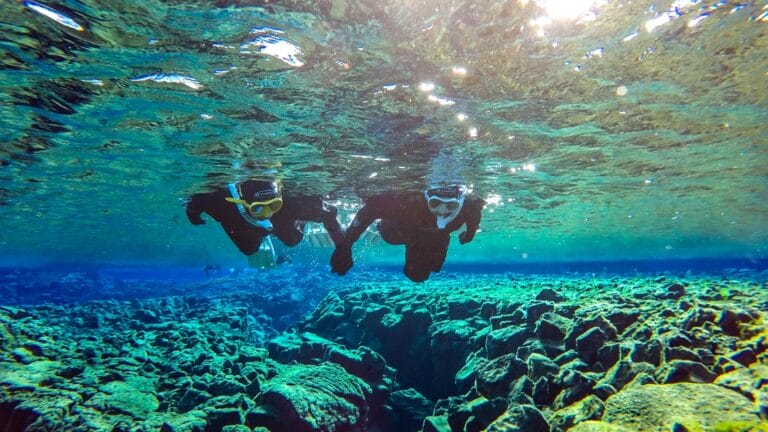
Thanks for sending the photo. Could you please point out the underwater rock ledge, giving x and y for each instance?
(482, 352)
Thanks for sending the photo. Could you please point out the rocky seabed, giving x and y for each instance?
(458, 354)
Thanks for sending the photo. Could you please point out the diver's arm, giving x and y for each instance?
(341, 259)
(315, 209)
(195, 207)
(473, 208)
(331, 224)
(363, 219)
(325, 213)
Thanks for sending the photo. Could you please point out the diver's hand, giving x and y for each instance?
(466, 237)
(341, 260)
(194, 218)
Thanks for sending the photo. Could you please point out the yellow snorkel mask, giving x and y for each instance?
(260, 209)
(256, 201)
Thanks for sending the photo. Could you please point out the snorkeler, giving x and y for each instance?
(422, 221)
(251, 210)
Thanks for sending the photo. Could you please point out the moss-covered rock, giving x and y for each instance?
(133, 398)
(309, 398)
(655, 407)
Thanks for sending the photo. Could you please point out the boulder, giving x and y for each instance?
(656, 407)
(551, 327)
(520, 418)
(304, 398)
(134, 398)
(589, 343)
(410, 408)
(494, 377)
(550, 295)
(505, 340)
(589, 408)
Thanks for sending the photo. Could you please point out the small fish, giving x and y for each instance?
(54, 15)
(171, 79)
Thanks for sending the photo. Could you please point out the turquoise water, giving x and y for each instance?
(617, 282)
(596, 131)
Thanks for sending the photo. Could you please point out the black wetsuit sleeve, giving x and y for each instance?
(373, 209)
(215, 204)
(307, 208)
(473, 207)
(195, 208)
(331, 223)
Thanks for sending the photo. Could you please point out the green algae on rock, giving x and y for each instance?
(659, 407)
(309, 398)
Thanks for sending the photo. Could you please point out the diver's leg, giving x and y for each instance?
(424, 256)
(417, 266)
(247, 241)
(438, 252)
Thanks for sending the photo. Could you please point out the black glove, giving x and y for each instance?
(341, 260)
(465, 237)
(194, 217)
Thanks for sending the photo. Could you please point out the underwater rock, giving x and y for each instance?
(465, 377)
(681, 353)
(484, 412)
(551, 326)
(598, 426)
(750, 382)
(731, 320)
(646, 351)
(191, 398)
(685, 371)
(521, 391)
(222, 386)
(475, 414)
(744, 356)
(308, 348)
(541, 366)
(534, 346)
(463, 309)
(575, 385)
(550, 295)
(584, 324)
(24, 355)
(697, 317)
(436, 424)
(622, 319)
(505, 340)
(235, 428)
(495, 376)
(133, 398)
(309, 398)
(520, 418)
(410, 407)
(535, 309)
(362, 362)
(657, 407)
(449, 349)
(588, 344)
(589, 408)
(543, 391)
(567, 357)
(302, 347)
(603, 390)
(675, 338)
(673, 291)
(623, 372)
